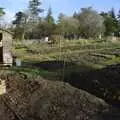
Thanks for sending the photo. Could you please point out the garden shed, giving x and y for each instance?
(5, 47)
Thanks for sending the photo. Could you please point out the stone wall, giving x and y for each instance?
(6, 43)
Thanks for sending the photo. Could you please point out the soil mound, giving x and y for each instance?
(39, 99)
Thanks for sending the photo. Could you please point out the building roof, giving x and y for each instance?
(5, 30)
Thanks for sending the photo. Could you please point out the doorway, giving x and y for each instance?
(1, 54)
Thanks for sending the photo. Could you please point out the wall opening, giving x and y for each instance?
(1, 54)
(1, 37)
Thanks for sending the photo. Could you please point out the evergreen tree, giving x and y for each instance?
(34, 9)
(110, 22)
(112, 13)
(49, 18)
(60, 17)
(20, 18)
(2, 12)
(115, 21)
(75, 15)
(20, 22)
(49, 23)
(118, 15)
(118, 23)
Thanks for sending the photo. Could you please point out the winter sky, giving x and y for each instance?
(65, 6)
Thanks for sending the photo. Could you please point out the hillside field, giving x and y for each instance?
(66, 57)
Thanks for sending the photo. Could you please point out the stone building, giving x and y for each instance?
(5, 47)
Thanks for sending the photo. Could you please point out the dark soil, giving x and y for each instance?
(39, 99)
(103, 83)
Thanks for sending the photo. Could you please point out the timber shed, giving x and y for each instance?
(5, 47)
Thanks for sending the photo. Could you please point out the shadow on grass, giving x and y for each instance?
(51, 70)
(52, 65)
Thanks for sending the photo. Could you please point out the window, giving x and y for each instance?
(1, 37)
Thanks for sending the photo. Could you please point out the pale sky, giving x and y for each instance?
(66, 6)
